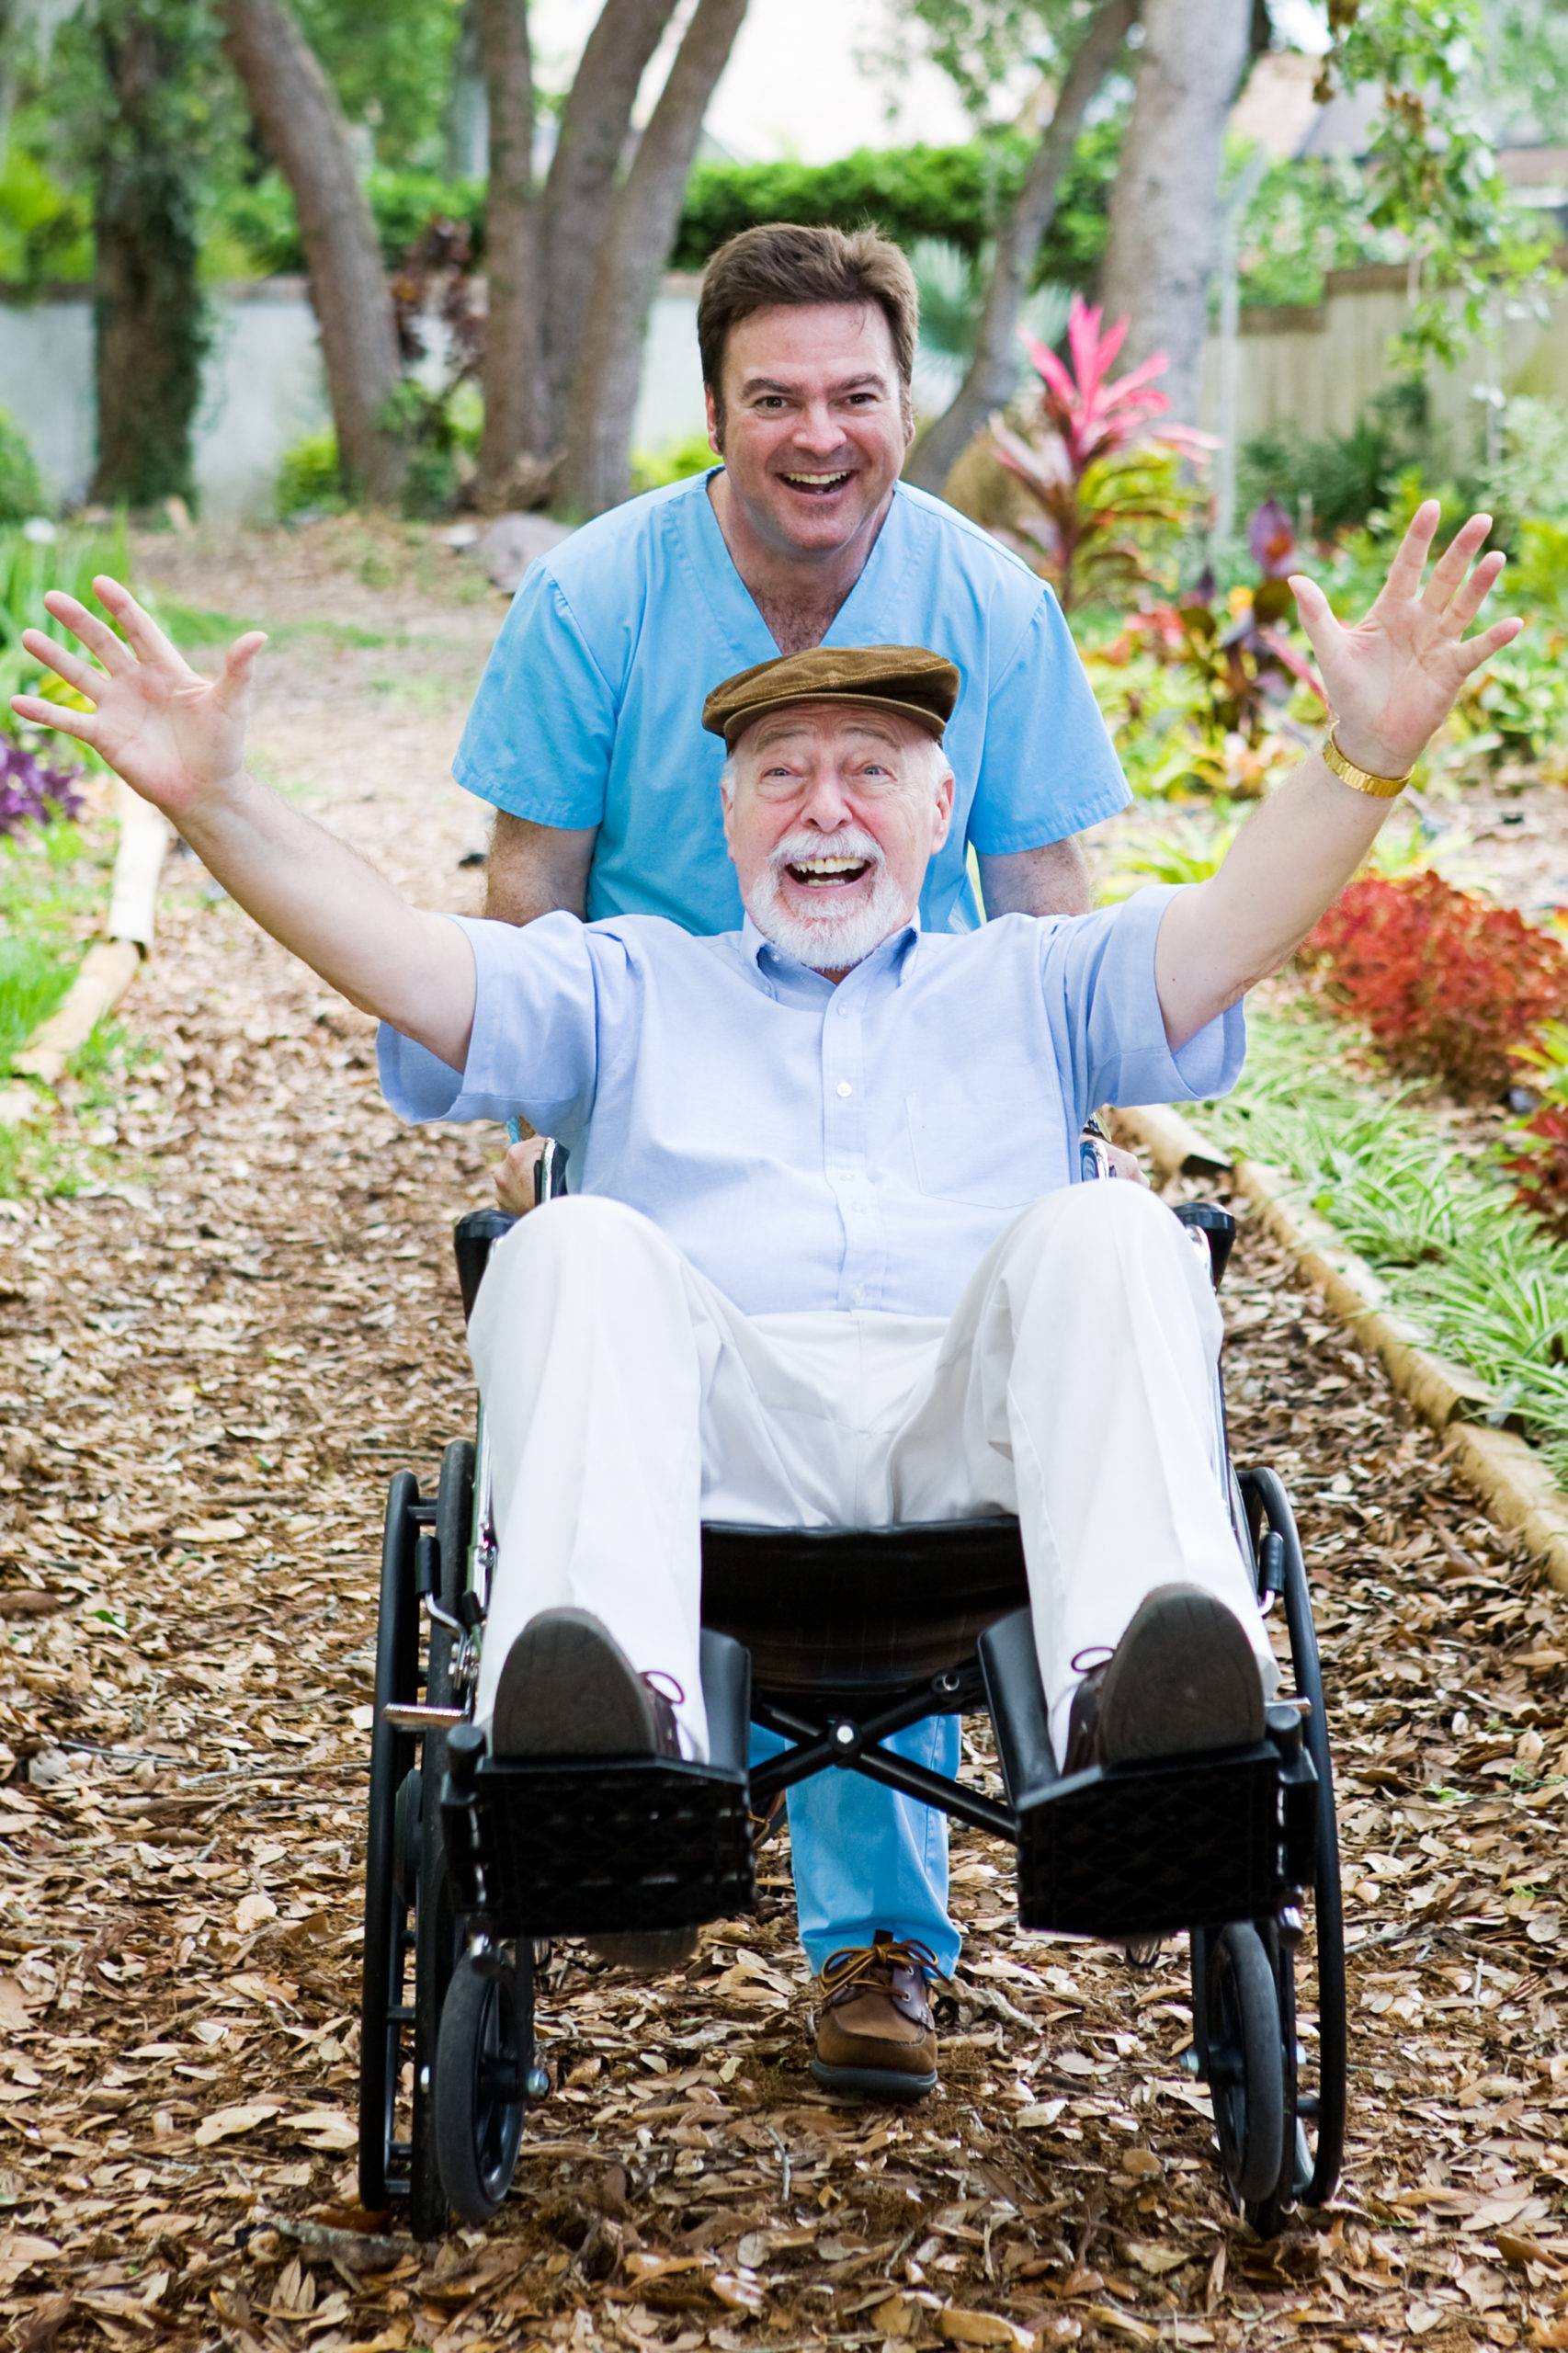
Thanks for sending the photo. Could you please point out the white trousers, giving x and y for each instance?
(627, 1399)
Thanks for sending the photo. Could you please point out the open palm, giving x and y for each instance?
(172, 735)
(1392, 679)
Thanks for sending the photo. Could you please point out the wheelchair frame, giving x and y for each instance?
(473, 1864)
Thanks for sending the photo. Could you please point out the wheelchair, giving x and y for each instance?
(474, 1866)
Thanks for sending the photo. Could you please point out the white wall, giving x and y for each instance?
(263, 387)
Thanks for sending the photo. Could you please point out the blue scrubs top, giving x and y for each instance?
(590, 712)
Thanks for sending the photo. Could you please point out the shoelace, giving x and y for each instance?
(852, 1964)
(1086, 1662)
(653, 1676)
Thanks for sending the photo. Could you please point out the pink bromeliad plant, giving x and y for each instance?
(1103, 485)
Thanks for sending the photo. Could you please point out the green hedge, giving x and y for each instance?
(956, 193)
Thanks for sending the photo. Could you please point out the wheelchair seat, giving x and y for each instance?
(858, 1614)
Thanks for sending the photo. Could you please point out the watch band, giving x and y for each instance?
(1381, 788)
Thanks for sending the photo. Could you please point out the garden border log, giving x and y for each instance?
(1509, 1475)
(109, 965)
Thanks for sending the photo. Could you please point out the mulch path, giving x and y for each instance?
(216, 1358)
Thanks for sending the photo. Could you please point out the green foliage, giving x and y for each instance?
(985, 47)
(1539, 578)
(1530, 476)
(1336, 483)
(1434, 179)
(1308, 216)
(22, 493)
(392, 68)
(310, 481)
(441, 429)
(1488, 1285)
(46, 230)
(678, 461)
(27, 568)
(258, 219)
(48, 888)
(955, 193)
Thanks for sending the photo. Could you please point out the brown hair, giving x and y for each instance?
(785, 263)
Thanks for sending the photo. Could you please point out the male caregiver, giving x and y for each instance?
(586, 735)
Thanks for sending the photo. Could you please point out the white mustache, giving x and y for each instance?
(852, 843)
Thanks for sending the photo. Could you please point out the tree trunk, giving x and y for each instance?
(989, 381)
(303, 130)
(516, 411)
(151, 335)
(1164, 205)
(603, 404)
(580, 192)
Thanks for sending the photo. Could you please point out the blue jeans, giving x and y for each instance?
(868, 1858)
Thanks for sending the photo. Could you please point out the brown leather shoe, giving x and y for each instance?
(1181, 1681)
(874, 2030)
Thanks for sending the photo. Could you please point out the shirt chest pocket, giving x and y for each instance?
(997, 1150)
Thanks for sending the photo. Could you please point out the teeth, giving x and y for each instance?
(814, 482)
(826, 865)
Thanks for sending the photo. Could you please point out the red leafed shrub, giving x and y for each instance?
(1445, 981)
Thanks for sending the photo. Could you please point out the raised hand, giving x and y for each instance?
(175, 737)
(1393, 678)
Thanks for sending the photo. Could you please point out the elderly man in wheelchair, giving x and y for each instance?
(828, 1269)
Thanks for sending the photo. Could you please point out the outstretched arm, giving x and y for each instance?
(178, 740)
(1392, 682)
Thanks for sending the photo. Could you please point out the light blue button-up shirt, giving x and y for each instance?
(808, 1146)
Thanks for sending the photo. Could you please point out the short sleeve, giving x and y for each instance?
(1100, 981)
(1049, 768)
(540, 733)
(537, 1018)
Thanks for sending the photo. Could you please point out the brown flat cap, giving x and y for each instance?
(905, 678)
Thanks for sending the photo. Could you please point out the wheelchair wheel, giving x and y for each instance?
(1246, 2070)
(1319, 2036)
(393, 1812)
(435, 1934)
(482, 2062)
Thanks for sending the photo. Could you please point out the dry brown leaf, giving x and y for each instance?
(228, 2124)
(960, 2327)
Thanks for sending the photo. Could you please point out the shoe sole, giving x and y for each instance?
(567, 1689)
(875, 2083)
(1184, 1681)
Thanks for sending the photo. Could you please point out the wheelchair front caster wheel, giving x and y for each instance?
(483, 2061)
(1246, 2072)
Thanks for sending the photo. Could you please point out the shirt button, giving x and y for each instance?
(859, 1295)
(843, 1011)
(844, 1088)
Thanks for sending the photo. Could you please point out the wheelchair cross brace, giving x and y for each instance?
(856, 1747)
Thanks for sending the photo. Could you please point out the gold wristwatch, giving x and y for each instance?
(1381, 788)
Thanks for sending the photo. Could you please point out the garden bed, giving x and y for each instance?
(1407, 1180)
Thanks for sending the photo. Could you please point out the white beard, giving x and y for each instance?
(829, 942)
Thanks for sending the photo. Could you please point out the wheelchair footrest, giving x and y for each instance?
(562, 1846)
(1146, 1850)
(1150, 1850)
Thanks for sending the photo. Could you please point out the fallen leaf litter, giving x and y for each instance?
(265, 1324)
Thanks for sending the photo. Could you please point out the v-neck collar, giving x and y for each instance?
(736, 613)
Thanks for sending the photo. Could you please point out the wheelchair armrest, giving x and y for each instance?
(473, 1238)
(475, 1235)
(1218, 1228)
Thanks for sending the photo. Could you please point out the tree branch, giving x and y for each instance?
(992, 369)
